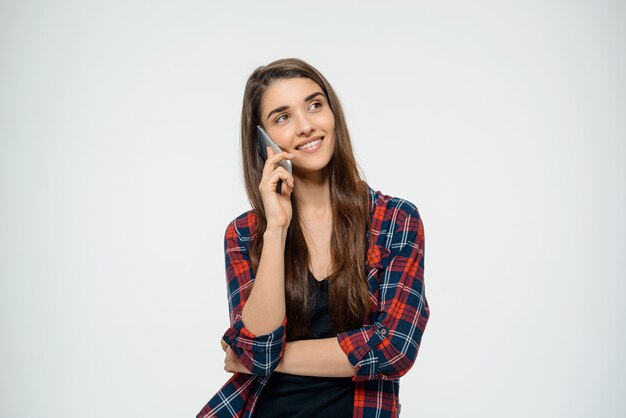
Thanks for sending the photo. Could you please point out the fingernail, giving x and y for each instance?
(291, 155)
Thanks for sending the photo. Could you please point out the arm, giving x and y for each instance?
(387, 348)
(265, 308)
(259, 342)
(319, 357)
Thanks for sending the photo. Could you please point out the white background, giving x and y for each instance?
(120, 169)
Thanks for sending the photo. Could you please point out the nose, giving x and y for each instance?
(305, 126)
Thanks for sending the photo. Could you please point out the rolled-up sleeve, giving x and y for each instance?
(258, 353)
(387, 348)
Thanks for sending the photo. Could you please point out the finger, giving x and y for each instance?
(230, 362)
(230, 354)
(274, 159)
(270, 179)
(283, 175)
(272, 163)
(283, 155)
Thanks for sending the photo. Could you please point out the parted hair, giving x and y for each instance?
(349, 300)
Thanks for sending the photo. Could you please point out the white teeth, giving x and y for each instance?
(310, 144)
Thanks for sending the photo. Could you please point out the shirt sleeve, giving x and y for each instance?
(387, 348)
(258, 353)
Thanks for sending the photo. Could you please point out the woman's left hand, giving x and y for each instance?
(231, 362)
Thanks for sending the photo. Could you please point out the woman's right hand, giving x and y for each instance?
(277, 206)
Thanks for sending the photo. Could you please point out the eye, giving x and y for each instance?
(315, 105)
(280, 118)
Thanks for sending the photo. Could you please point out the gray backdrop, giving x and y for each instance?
(120, 169)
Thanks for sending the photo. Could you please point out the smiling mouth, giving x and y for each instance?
(311, 144)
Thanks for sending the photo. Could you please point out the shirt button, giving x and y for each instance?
(383, 331)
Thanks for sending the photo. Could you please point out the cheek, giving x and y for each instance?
(280, 136)
(283, 140)
(330, 121)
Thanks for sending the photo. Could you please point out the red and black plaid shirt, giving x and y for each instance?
(382, 350)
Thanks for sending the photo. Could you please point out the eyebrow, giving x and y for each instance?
(306, 99)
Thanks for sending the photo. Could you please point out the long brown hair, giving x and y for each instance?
(349, 300)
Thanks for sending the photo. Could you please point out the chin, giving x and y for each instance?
(312, 168)
(313, 163)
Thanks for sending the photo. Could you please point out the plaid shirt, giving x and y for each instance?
(381, 351)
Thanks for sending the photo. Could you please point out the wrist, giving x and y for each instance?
(275, 232)
(281, 364)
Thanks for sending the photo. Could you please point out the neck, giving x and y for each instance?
(312, 194)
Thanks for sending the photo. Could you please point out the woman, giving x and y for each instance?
(325, 278)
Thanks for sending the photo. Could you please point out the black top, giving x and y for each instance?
(294, 396)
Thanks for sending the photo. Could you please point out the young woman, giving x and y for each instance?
(325, 278)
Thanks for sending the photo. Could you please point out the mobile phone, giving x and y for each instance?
(264, 141)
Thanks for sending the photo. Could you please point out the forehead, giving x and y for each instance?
(288, 92)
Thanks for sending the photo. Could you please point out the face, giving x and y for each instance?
(295, 113)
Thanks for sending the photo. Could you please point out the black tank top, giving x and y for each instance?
(294, 396)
